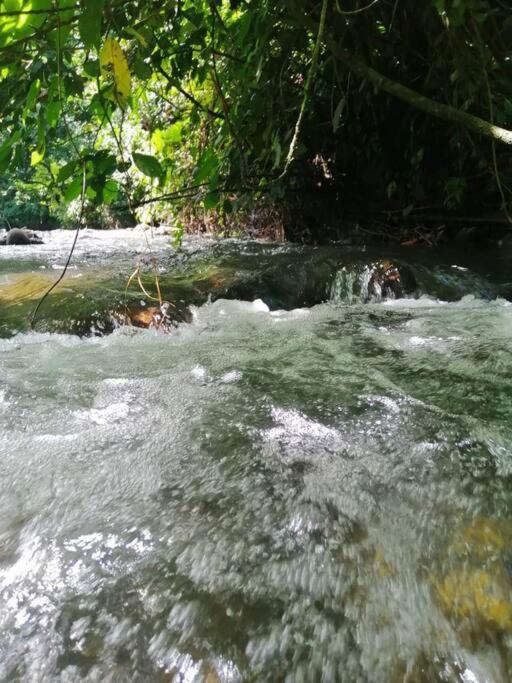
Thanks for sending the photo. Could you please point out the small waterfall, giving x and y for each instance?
(380, 280)
(360, 283)
(350, 285)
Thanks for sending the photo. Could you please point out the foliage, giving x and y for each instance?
(197, 101)
(20, 207)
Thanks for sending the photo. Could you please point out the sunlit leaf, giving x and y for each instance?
(137, 35)
(148, 165)
(164, 138)
(115, 70)
(36, 157)
(18, 26)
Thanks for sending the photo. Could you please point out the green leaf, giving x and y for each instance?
(18, 26)
(52, 113)
(110, 191)
(33, 92)
(74, 189)
(6, 146)
(207, 166)
(148, 165)
(41, 132)
(89, 23)
(90, 193)
(92, 68)
(336, 119)
(5, 160)
(66, 171)
(137, 35)
(211, 200)
(141, 69)
(103, 162)
(163, 138)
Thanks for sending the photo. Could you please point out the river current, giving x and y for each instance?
(308, 490)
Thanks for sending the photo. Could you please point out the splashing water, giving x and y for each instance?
(322, 493)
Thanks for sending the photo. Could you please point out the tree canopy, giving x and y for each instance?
(389, 103)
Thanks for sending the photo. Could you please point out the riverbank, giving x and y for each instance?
(316, 219)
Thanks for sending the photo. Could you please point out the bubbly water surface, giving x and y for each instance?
(319, 494)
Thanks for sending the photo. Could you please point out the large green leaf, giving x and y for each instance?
(27, 15)
(6, 149)
(148, 165)
(110, 191)
(141, 69)
(32, 96)
(92, 68)
(89, 23)
(206, 166)
(211, 200)
(74, 189)
(52, 113)
(66, 171)
(163, 139)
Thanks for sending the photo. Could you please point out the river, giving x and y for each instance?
(298, 482)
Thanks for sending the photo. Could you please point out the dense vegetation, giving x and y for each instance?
(338, 108)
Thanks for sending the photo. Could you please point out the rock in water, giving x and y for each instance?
(21, 236)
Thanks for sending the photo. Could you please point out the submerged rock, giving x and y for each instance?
(162, 317)
(474, 591)
(21, 287)
(19, 236)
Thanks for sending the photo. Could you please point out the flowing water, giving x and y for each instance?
(306, 481)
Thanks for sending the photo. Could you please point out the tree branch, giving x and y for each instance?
(172, 83)
(415, 99)
(48, 10)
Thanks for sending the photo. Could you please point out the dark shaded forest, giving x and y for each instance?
(273, 118)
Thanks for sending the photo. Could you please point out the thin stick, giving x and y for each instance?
(307, 91)
(61, 276)
(355, 11)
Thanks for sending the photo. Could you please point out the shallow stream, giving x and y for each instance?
(305, 481)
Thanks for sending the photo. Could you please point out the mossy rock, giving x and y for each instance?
(475, 592)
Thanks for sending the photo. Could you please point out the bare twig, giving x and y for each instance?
(68, 261)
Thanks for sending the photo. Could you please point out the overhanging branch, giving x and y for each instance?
(415, 99)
